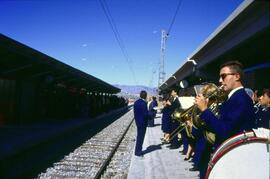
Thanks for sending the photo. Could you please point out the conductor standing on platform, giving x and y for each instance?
(141, 119)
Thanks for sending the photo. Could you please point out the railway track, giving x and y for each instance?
(120, 163)
(91, 159)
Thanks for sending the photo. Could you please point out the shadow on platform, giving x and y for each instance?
(155, 125)
(152, 148)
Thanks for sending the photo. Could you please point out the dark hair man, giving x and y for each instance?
(141, 118)
(174, 104)
(263, 115)
(236, 114)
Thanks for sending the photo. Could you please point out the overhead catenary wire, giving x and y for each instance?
(164, 37)
(118, 38)
(174, 17)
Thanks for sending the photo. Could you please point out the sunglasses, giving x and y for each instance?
(224, 75)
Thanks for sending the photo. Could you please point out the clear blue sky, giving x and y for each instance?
(77, 33)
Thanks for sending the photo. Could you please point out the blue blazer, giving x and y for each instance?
(140, 112)
(263, 118)
(174, 106)
(236, 115)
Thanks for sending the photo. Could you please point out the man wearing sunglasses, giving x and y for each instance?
(236, 113)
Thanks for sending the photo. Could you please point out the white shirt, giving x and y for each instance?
(148, 104)
(233, 91)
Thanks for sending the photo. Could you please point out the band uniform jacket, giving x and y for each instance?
(140, 112)
(236, 115)
(152, 112)
(175, 105)
(262, 118)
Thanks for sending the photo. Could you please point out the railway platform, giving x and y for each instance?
(159, 161)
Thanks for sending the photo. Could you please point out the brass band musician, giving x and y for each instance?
(236, 113)
(173, 105)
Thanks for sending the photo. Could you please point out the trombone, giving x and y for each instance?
(180, 117)
(174, 133)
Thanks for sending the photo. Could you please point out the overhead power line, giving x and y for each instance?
(118, 38)
(174, 17)
(164, 37)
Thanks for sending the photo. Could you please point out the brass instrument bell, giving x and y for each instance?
(216, 96)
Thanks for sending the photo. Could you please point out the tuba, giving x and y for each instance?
(216, 97)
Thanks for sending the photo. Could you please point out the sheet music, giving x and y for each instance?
(262, 132)
(197, 89)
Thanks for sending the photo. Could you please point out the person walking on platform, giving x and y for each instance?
(236, 113)
(152, 111)
(141, 119)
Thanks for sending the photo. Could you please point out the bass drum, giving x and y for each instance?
(242, 156)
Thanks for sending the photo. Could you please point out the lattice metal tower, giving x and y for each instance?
(161, 75)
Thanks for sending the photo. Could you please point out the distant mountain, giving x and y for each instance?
(135, 89)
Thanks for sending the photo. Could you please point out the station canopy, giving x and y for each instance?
(20, 62)
(243, 36)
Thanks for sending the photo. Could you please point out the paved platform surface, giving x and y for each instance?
(159, 162)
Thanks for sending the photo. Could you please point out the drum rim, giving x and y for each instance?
(231, 146)
(248, 134)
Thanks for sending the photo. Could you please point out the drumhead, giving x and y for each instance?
(240, 157)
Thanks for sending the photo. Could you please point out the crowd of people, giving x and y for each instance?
(63, 103)
(240, 110)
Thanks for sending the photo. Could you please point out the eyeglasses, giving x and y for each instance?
(224, 75)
